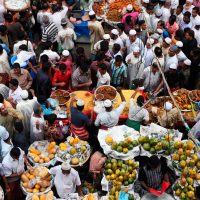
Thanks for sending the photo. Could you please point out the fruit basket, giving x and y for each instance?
(32, 181)
(61, 96)
(75, 150)
(42, 152)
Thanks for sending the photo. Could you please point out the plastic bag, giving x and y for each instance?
(123, 196)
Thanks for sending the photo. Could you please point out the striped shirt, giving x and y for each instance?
(49, 33)
(118, 74)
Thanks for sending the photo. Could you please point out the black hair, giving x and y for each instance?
(154, 161)
(104, 45)
(158, 51)
(44, 58)
(83, 66)
(45, 6)
(197, 191)
(16, 65)
(116, 47)
(80, 50)
(162, 23)
(92, 17)
(8, 17)
(141, 22)
(179, 35)
(196, 51)
(172, 18)
(51, 118)
(3, 29)
(150, 7)
(37, 109)
(187, 14)
(1, 49)
(19, 127)
(1, 98)
(21, 35)
(118, 58)
(46, 66)
(196, 9)
(80, 108)
(155, 65)
(62, 66)
(15, 152)
(180, 7)
(128, 19)
(191, 33)
(100, 56)
(121, 26)
(102, 66)
(47, 45)
(14, 82)
(23, 47)
(140, 101)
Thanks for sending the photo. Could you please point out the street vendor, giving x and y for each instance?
(137, 114)
(66, 180)
(110, 117)
(79, 121)
(195, 131)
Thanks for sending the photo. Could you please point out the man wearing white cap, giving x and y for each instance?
(106, 37)
(66, 37)
(196, 30)
(110, 117)
(188, 6)
(166, 11)
(171, 57)
(67, 180)
(184, 72)
(25, 106)
(133, 41)
(96, 30)
(155, 18)
(179, 53)
(156, 37)
(135, 65)
(6, 144)
(166, 45)
(148, 52)
(66, 59)
(114, 35)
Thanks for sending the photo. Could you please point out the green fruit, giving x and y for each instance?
(130, 180)
(165, 144)
(135, 143)
(113, 160)
(131, 197)
(114, 146)
(109, 171)
(146, 146)
(142, 139)
(112, 191)
(126, 183)
(167, 152)
(119, 149)
(130, 147)
(152, 150)
(119, 163)
(153, 142)
(108, 166)
(130, 169)
(114, 166)
(158, 146)
(182, 196)
(123, 172)
(183, 157)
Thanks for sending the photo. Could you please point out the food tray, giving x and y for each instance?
(61, 95)
(16, 5)
(107, 87)
(29, 197)
(197, 95)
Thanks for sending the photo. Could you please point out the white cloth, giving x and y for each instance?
(130, 46)
(24, 56)
(195, 131)
(65, 184)
(118, 41)
(16, 95)
(137, 113)
(4, 64)
(188, 9)
(5, 148)
(26, 108)
(2, 11)
(169, 61)
(148, 56)
(160, 60)
(181, 56)
(194, 20)
(53, 56)
(151, 80)
(165, 14)
(124, 37)
(174, 4)
(19, 43)
(179, 18)
(11, 165)
(154, 22)
(110, 119)
(57, 16)
(66, 38)
(145, 16)
(36, 134)
(197, 36)
(183, 25)
(40, 16)
(103, 79)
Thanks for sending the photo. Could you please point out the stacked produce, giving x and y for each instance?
(48, 196)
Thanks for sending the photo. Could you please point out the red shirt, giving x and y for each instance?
(68, 63)
(59, 78)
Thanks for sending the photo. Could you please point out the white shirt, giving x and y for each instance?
(142, 113)
(118, 41)
(5, 148)
(110, 119)
(36, 134)
(65, 184)
(145, 16)
(194, 20)
(53, 56)
(4, 64)
(197, 36)
(154, 22)
(174, 4)
(16, 95)
(11, 165)
(40, 16)
(183, 25)
(151, 80)
(181, 56)
(165, 14)
(103, 79)
(169, 61)
(2, 11)
(124, 37)
(189, 10)
(66, 38)
(19, 43)
(160, 60)
(148, 56)
(130, 45)
(179, 18)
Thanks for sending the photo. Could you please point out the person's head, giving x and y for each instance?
(195, 11)
(172, 19)
(186, 17)
(51, 118)
(118, 60)
(8, 17)
(186, 64)
(145, 3)
(46, 66)
(129, 8)
(15, 153)
(129, 20)
(16, 68)
(142, 24)
(167, 4)
(120, 27)
(106, 37)
(37, 110)
(149, 43)
(83, 67)
(150, 9)
(179, 35)
(179, 9)
(24, 94)
(172, 50)
(44, 58)
(132, 35)
(158, 52)
(195, 53)
(21, 35)
(66, 168)
(166, 42)
(62, 68)
(45, 6)
(189, 35)
(197, 192)
(45, 20)
(154, 67)
(55, 7)
(48, 45)
(154, 2)
(173, 68)
(116, 48)
(100, 57)
(80, 105)
(107, 105)
(80, 51)
(136, 52)
(114, 34)
(3, 30)
(64, 22)
(140, 101)
(153, 162)
(3, 109)
(13, 84)
(23, 47)
(18, 126)
(92, 15)
(158, 13)
(1, 49)
(179, 44)
(102, 68)
(104, 46)
(65, 54)
(161, 24)
(188, 3)
(1, 98)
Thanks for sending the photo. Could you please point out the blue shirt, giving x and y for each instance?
(78, 118)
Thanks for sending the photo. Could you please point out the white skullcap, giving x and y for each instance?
(107, 103)
(5, 135)
(158, 12)
(150, 40)
(129, 7)
(24, 94)
(132, 32)
(155, 36)
(145, 1)
(66, 166)
(106, 36)
(136, 49)
(168, 106)
(187, 62)
(173, 66)
(160, 31)
(1, 105)
(115, 32)
(168, 40)
(65, 53)
(191, 1)
(91, 13)
(80, 102)
(179, 44)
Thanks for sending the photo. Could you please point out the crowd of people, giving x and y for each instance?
(39, 53)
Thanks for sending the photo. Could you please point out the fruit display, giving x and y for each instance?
(61, 95)
(90, 197)
(99, 8)
(75, 150)
(47, 196)
(32, 181)
(42, 152)
(194, 95)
